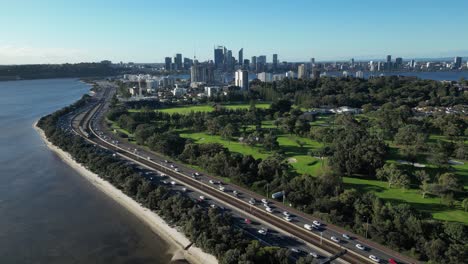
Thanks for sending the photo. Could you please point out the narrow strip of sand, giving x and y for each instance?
(176, 239)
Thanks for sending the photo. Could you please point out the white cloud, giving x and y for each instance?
(10, 54)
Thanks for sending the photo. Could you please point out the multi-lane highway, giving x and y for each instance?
(300, 232)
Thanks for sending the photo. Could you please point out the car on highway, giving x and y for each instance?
(287, 218)
(196, 174)
(265, 201)
(308, 227)
(361, 247)
(335, 239)
(184, 189)
(213, 205)
(262, 231)
(211, 181)
(252, 201)
(295, 250)
(314, 254)
(235, 193)
(269, 209)
(202, 197)
(165, 182)
(166, 161)
(317, 223)
(392, 261)
(176, 170)
(374, 258)
(221, 188)
(286, 213)
(149, 158)
(172, 166)
(247, 221)
(346, 236)
(173, 183)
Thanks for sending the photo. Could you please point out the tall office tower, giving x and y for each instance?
(352, 62)
(168, 63)
(187, 63)
(219, 57)
(412, 64)
(242, 79)
(312, 60)
(178, 61)
(302, 71)
(254, 64)
(398, 63)
(371, 66)
(229, 61)
(241, 57)
(379, 66)
(388, 64)
(246, 64)
(261, 63)
(457, 62)
(275, 62)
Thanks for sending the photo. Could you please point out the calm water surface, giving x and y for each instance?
(48, 213)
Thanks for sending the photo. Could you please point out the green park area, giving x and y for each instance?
(297, 151)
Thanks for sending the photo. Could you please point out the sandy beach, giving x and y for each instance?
(177, 240)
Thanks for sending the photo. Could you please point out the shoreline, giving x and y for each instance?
(176, 240)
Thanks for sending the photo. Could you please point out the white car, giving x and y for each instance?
(269, 210)
(173, 183)
(308, 227)
(262, 231)
(184, 189)
(202, 197)
(172, 166)
(287, 218)
(176, 169)
(252, 201)
(374, 258)
(334, 238)
(197, 174)
(295, 250)
(314, 254)
(361, 247)
(286, 213)
(317, 223)
(212, 182)
(265, 205)
(235, 193)
(149, 158)
(264, 201)
(346, 236)
(221, 188)
(213, 205)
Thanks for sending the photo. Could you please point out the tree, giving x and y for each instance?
(450, 182)
(228, 131)
(465, 204)
(270, 142)
(393, 175)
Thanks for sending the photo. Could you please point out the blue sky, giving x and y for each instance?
(147, 31)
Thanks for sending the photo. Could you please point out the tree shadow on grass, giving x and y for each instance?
(364, 187)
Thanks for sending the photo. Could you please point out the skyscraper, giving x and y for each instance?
(254, 63)
(241, 57)
(219, 57)
(457, 62)
(398, 63)
(261, 63)
(242, 79)
(388, 63)
(302, 71)
(229, 61)
(168, 63)
(178, 61)
(275, 62)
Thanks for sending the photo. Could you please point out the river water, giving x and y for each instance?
(48, 213)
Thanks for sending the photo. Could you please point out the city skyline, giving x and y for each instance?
(146, 32)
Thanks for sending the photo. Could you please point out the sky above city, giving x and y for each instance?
(147, 31)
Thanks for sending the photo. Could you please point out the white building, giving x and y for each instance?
(360, 74)
(152, 85)
(265, 77)
(291, 74)
(179, 91)
(212, 90)
(242, 79)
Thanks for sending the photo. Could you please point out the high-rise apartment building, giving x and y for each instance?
(219, 57)
(178, 62)
(275, 62)
(302, 71)
(457, 62)
(242, 79)
(241, 57)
